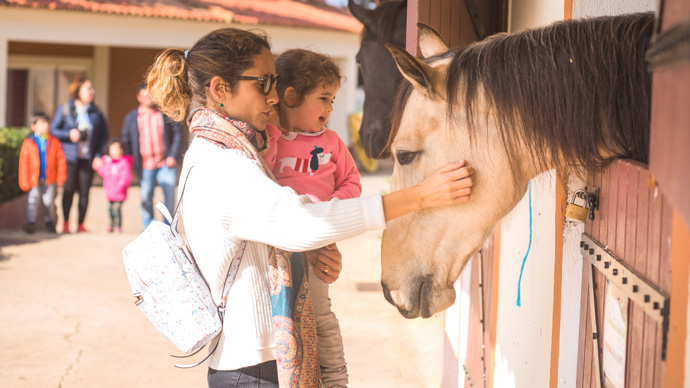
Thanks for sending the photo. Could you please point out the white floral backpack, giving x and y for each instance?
(169, 288)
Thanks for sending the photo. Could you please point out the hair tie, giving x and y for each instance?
(185, 54)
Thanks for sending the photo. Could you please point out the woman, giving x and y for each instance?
(81, 128)
(228, 75)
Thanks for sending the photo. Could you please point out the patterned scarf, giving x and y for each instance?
(294, 325)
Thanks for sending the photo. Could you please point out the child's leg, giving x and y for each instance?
(49, 195)
(117, 213)
(329, 340)
(112, 215)
(32, 204)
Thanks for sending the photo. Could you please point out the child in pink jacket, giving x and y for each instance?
(117, 175)
(314, 161)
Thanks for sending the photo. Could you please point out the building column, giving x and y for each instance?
(100, 76)
(4, 58)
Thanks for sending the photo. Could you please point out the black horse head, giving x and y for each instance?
(380, 75)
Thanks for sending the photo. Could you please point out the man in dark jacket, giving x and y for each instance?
(154, 142)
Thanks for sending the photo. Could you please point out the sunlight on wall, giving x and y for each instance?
(504, 376)
(524, 333)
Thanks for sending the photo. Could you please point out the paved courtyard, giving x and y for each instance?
(67, 319)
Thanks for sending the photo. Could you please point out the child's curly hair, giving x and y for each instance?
(305, 70)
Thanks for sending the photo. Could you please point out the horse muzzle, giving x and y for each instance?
(419, 297)
(374, 138)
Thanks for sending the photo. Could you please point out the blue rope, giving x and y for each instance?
(529, 246)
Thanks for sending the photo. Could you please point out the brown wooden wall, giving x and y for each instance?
(634, 220)
(128, 68)
(452, 21)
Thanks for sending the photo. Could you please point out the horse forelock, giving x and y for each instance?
(576, 92)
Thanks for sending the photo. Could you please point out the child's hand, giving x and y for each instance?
(447, 186)
(327, 262)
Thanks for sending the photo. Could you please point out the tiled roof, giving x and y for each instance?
(271, 12)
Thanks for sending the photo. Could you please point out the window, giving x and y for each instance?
(39, 84)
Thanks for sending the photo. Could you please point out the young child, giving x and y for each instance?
(117, 175)
(314, 161)
(42, 167)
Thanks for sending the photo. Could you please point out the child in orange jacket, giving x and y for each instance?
(42, 167)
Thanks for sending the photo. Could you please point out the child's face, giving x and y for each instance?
(313, 113)
(115, 151)
(40, 127)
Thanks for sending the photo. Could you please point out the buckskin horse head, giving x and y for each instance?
(380, 78)
(572, 94)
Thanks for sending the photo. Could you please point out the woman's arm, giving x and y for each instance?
(57, 125)
(232, 189)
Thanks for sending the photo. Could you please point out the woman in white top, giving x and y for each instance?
(228, 76)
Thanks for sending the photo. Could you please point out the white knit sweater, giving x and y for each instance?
(228, 199)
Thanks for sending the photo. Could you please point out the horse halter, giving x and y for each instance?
(270, 81)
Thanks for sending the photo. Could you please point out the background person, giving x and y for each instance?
(116, 171)
(81, 127)
(42, 168)
(154, 142)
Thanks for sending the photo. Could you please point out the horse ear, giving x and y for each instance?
(359, 12)
(429, 41)
(416, 71)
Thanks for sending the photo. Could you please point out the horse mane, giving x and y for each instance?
(575, 93)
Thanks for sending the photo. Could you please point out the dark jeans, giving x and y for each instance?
(79, 177)
(115, 213)
(264, 375)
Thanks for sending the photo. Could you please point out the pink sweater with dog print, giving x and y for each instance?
(317, 165)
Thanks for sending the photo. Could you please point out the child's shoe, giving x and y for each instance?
(119, 229)
(81, 229)
(109, 229)
(50, 227)
(65, 228)
(29, 228)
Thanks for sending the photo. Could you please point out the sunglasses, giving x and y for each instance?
(269, 82)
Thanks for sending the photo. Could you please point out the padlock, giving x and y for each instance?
(575, 211)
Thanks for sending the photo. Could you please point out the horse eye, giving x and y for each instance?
(405, 157)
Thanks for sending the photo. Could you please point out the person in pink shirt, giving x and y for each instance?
(117, 175)
(314, 161)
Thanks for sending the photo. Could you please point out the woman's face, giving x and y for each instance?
(248, 103)
(86, 92)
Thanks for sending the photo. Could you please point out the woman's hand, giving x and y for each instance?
(327, 262)
(74, 135)
(448, 186)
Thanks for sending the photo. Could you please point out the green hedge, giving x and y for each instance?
(10, 143)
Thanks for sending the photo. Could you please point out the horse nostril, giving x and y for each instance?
(387, 294)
